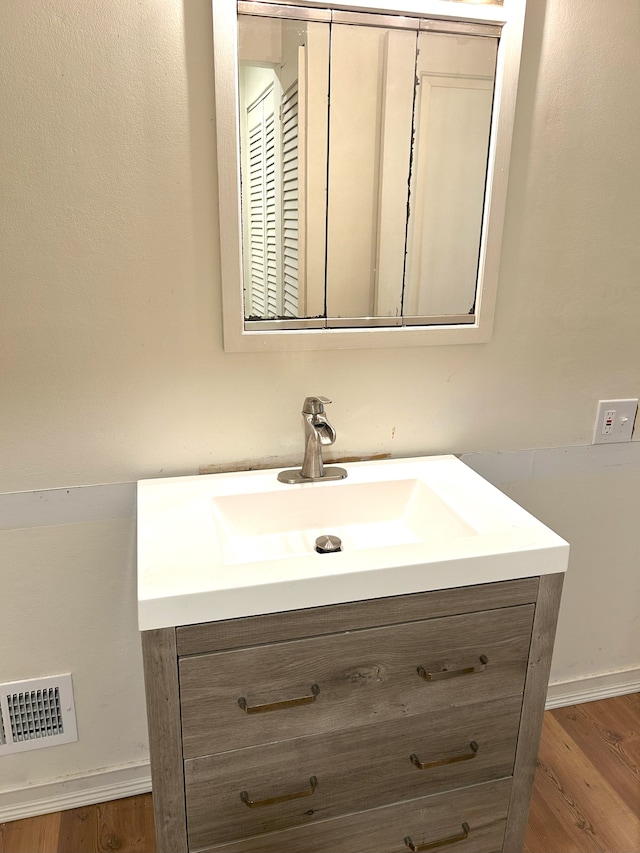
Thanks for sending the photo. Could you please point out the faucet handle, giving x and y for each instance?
(314, 405)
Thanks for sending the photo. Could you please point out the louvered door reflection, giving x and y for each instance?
(264, 207)
(291, 202)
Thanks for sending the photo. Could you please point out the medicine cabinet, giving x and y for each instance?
(363, 157)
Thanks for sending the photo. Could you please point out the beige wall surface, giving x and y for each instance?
(111, 359)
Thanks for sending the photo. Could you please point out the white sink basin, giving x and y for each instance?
(363, 515)
(228, 545)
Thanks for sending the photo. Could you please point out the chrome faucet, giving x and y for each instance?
(318, 432)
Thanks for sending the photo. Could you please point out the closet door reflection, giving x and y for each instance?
(454, 80)
(372, 89)
(364, 154)
(408, 144)
(283, 82)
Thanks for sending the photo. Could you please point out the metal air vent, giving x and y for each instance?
(36, 713)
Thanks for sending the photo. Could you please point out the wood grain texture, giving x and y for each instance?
(124, 825)
(609, 732)
(79, 831)
(36, 835)
(165, 741)
(535, 693)
(586, 794)
(316, 621)
(356, 770)
(383, 830)
(557, 823)
(364, 677)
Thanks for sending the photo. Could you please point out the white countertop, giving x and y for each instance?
(222, 546)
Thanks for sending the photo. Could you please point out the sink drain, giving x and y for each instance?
(328, 544)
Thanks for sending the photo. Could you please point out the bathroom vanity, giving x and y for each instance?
(404, 717)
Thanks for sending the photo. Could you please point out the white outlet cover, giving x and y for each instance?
(623, 420)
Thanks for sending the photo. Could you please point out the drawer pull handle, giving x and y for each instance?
(272, 801)
(431, 845)
(453, 673)
(278, 706)
(439, 762)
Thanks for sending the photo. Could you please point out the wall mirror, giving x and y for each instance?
(362, 164)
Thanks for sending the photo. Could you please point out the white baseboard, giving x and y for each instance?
(72, 792)
(590, 689)
(131, 779)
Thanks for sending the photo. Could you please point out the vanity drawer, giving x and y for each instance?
(306, 780)
(287, 690)
(482, 808)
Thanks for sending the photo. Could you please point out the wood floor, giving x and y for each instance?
(587, 789)
(124, 825)
(586, 796)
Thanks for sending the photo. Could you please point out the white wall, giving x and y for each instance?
(69, 606)
(590, 495)
(112, 365)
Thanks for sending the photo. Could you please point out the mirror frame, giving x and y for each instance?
(510, 17)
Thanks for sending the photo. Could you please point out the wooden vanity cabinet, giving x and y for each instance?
(379, 726)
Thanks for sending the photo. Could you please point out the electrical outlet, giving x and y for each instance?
(614, 421)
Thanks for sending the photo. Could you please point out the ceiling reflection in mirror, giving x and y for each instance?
(363, 166)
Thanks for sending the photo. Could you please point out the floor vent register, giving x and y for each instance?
(37, 713)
